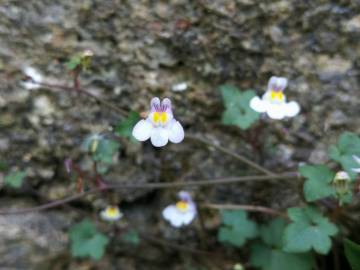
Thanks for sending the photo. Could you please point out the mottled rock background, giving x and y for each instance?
(143, 48)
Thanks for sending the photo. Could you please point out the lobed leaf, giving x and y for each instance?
(15, 179)
(309, 230)
(270, 255)
(347, 146)
(237, 109)
(86, 241)
(352, 253)
(318, 182)
(236, 228)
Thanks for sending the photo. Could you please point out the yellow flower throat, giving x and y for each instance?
(182, 206)
(160, 117)
(112, 211)
(277, 95)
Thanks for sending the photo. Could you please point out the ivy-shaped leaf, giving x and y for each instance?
(237, 108)
(318, 182)
(86, 241)
(309, 230)
(236, 228)
(348, 145)
(15, 179)
(274, 259)
(352, 253)
(125, 127)
(269, 255)
(106, 151)
(101, 148)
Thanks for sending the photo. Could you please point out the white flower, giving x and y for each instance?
(34, 78)
(273, 102)
(181, 213)
(160, 126)
(111, 213)
(357, 159)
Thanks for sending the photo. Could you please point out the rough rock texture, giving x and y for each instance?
(142, 48)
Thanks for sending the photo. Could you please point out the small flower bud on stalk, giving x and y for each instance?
(341, 183)
(85, 59)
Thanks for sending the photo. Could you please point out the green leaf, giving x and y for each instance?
(347, 146)
(15, 179)
(131, 237)
(106, 151)
(236, 228)
(352, 253)
(73, 63)
(269, 255)
(86, 241)
(125, 127)
(272, 234)
(318, 182)
(237, 108)
(101, 149)
(268, 258)
(309, 230)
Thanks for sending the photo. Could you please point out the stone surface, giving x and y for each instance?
(142, 49)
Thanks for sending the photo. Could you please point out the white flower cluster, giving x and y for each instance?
(161, 127)
(179, 214)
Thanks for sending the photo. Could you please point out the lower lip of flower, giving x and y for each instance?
(182, 206)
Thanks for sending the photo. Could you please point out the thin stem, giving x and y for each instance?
(231, 153)
(220, 181)
(189, 136)
(119, 110)
(251, 208)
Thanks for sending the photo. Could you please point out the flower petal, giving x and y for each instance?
(258, 104)
(171, 214)
(276, 111)
(159, 136)
(176, 131)
(188, 217)
(357, 170)
(291, 109)
(154, 104)
(277, 83)
(184, 196)
(166, 105)
(142, 130)
(357, 159)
